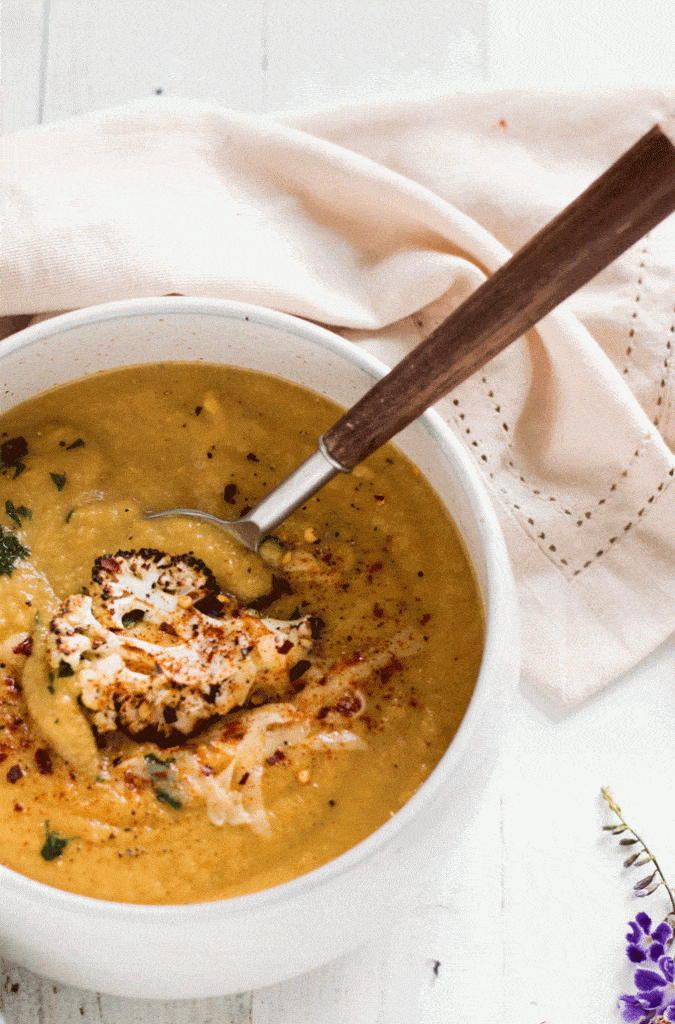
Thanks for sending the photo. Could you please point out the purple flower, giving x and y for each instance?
(633, 1010)
(643, 943)
(656, 994)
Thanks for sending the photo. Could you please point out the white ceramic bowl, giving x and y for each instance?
(209, 949)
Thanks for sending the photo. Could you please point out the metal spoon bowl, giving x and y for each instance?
(276, 506)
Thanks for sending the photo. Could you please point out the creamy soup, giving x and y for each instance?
(183, 720)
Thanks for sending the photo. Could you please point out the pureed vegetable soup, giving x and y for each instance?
(183, 720)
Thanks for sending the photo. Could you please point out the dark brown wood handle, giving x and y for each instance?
(634, 195)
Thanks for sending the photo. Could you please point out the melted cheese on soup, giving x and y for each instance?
(182, 720)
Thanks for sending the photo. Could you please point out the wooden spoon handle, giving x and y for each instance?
(631, 197)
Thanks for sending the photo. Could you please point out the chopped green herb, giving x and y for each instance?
(162, 773)
(154, 763)
(69, 515)
(166, 798)
(17, 514)
(65, 670)
(59, 479)
(157, 769)
(11, 550)
(54, 844)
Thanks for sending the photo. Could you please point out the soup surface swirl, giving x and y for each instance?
(183, 720)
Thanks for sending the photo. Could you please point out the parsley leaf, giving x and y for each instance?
(161, 773)
(59, 479)
(17, 514)
(11, 550)
(156, 766)
(54, 844)
(166, 798)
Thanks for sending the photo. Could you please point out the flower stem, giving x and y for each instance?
(617, 811)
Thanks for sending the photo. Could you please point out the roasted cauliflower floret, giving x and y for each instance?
(156, 649)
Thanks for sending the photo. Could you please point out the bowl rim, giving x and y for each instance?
(499, 612)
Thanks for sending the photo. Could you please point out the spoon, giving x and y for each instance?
(623, 204)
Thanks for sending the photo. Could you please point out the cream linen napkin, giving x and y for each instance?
(377, 222)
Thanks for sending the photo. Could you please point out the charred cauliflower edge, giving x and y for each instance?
(156, 647)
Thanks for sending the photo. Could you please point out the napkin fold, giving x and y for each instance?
(377, 222)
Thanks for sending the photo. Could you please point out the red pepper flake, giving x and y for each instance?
(387, 672)
(3, 757)
(19, 807)
(378, 611)
(375, 567)
(13, 685)
(252, 457)
(109, 564)
(166, 627)
(244, 779)
(321, 714)
(286, 646)
(233, 731)
(425, 618)
(230, 493)
(25, 647)
(299, 669)
(276, 757)
(43, 761)
(15, 773)
(12, 452)
(502, 122)
(348, 705)
(317, 626)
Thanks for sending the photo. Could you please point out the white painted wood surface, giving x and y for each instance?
(526, 922)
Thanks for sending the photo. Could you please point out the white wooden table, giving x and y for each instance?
(526, 922)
